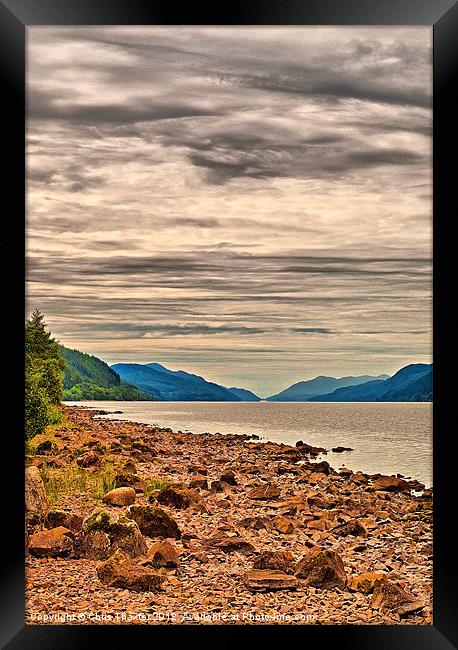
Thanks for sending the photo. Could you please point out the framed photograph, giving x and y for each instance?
(223, 223)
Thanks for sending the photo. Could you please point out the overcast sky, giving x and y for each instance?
(250, 204)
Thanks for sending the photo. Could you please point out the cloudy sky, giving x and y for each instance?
(250, 204)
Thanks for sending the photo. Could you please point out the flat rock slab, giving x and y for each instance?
(56, 542)
(264, 493)
(267, 580)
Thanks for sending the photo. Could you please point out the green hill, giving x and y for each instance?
(87, 377)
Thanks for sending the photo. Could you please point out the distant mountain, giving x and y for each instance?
(413, 383)
(304, 391)
(173, 385)
(245, 395)
(87, 377)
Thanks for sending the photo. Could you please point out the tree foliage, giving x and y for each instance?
(43, 375)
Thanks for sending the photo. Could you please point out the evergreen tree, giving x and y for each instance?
(43, 375)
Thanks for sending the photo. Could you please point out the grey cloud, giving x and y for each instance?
(383, 157)
(43, 106)
(312, 330)
(336, 88)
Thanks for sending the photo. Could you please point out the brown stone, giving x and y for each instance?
(256, 523)
(264, 493)
(69, 520)
(391, 484)
(392, 597)
(94, 545)
(36, 504)
(353, 527)
(154, 521)
(318, 524)
(359, 478)
(275, 560)
(88, 459)
(119, 571)
(228, 477)
(266, 580)
(45, 448)
(122, 496)
(56, 542)
(322, 568)
(194, 469)
(177, 496)
(231, 544)
(322, 468)
(365, 582)
(144, 446)
(199, 482)
(283, 525)
(162, 554)
(217, 486)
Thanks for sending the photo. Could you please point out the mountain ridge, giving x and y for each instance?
(320, 385)
(173, 385)
(411, 383)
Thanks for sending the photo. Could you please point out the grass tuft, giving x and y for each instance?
(157, 484)
(60, 482)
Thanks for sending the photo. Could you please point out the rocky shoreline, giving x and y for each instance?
(216, 529)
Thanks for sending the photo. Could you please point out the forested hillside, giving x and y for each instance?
(87, 377)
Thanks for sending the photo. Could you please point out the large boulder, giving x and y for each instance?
(104, 532)
(178, 496)
(391, 484)
(36, 504)
(275, 560)
(392, 597)
(119, 571)
(56, 542)
(70, 520)
(264, 493)
(322, 568)
(267, 580)
(162, 554)
(122, 496)
(94, 545)
(154, 521)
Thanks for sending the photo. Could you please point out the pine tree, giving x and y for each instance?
(43, 375)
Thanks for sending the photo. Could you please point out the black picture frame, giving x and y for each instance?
(15, 17)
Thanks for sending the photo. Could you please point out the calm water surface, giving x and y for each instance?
(388, 438)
